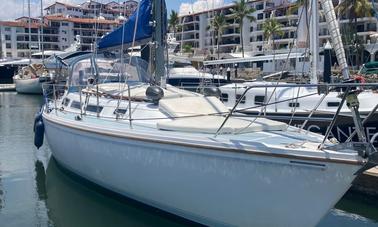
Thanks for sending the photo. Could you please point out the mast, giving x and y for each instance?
(159, 14)
(314, 41)
(333, 27)
(41, 40)
(29, 23)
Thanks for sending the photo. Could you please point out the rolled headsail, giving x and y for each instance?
(124, 35)
(333, 26)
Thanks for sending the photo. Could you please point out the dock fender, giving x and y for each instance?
(37, 117)
(39, 133)
(39, 129)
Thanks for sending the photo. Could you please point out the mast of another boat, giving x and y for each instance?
(159, 38)
(337, 44)
(29, 25)
(41, 39)
(314, 41)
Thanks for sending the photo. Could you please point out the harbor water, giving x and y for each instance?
(36, 191)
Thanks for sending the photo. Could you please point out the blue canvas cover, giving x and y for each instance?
(143, 32)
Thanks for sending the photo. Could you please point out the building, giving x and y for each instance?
(195, 30)
(61, 24)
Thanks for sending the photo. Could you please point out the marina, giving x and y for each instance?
(35, 191)
(243, 113)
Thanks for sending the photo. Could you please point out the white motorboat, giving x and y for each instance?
(182, 74)
(183, 152)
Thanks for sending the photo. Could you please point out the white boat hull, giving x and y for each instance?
(28, 86)
(203, 185)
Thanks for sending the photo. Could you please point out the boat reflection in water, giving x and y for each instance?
(71, 201)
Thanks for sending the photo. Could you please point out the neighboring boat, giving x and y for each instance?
(182, 74)
(294, 105)
(183, 152)
(29, 78)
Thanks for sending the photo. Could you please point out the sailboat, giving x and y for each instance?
(34, 71)
(309, 107)
(29, 78)
(184, 153)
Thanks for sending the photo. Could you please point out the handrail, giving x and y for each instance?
(324, 86)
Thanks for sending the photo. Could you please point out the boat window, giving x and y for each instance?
(94, 108)
(293, 104)
(238, 97)
(120, 111)
(75, 105)
(66, 101)
(333, 104)
(259, 99)
(224, 97)
(110, 70)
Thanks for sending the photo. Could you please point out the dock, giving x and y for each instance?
(367, 183)
(7, 87)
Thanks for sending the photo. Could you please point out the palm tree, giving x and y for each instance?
(242, 10)
(218, 24)
(354, 9)
(173, 21)
(272, 28)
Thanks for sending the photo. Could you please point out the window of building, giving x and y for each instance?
(259, 38)
(20, 54)
(8, 37)
(64, 24)
(8, 45)
(9, 54)
(260, 16)
(260, 6)
(7, 29)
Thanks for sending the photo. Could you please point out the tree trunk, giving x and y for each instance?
(274, 55)
(218, 45)
(241, 37)
(355, 37)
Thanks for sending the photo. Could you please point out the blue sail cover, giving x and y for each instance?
(143, 32)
